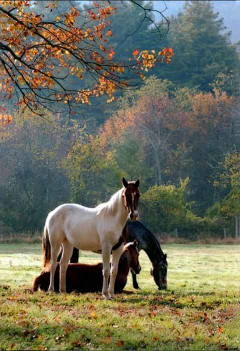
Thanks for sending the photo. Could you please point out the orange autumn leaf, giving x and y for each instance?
(107, 340)
(220, 329)
(135, 52)
(204, 317)
(111, 54)
(153, 314)
(120, 343)
(5, 119)
(93, 315)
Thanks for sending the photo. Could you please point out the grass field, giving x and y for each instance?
(199, 311)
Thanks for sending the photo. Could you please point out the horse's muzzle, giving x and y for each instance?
(134, 216)
(138, 270)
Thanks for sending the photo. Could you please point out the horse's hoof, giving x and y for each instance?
(107, 296)
(137, 287)
(50, 291)
(112, 295)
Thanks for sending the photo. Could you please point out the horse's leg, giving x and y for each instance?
(66, 255)
(106, 253)
(53, 264)
(134, 280)
(116, 254)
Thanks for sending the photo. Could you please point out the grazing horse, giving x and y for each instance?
(148, 243)
(91, 229)
(89, 278)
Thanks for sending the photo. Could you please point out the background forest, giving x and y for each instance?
(178, 132)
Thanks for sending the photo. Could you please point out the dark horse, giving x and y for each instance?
(89, 278)
(148, 243)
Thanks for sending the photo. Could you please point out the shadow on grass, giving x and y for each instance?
(168, 298)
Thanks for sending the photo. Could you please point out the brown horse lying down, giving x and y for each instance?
(89, 278)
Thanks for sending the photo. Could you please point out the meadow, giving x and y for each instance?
(199, 311)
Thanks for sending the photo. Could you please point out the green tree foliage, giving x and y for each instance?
(130, 157)
(229, 186)
(132, 31)
(165, 208)
(202, 48)
(226, 210)
(93, 175)
(33, 183)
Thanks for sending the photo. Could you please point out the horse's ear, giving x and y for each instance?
(137, 183)
(125, 183)
(165, 257)
(135, 243)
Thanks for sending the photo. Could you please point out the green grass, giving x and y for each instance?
(199, 311)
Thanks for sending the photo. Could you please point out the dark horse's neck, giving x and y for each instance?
(146, 241)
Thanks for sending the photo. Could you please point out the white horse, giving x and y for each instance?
(91, 229)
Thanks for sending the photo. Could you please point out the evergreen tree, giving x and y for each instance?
(202, 48)
(131, 31)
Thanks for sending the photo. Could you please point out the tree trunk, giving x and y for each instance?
(236, 226)
(159, 171)
(224, 233)
(176, 232)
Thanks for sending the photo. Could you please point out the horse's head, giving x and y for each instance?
(132, 248)
(41, 281)
(159, 273)
(131, 197)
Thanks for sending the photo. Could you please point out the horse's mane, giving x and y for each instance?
(154, 239)
(110, 207)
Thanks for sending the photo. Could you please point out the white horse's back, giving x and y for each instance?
(76, 223)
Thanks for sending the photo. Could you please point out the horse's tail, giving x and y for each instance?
(46, 249)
